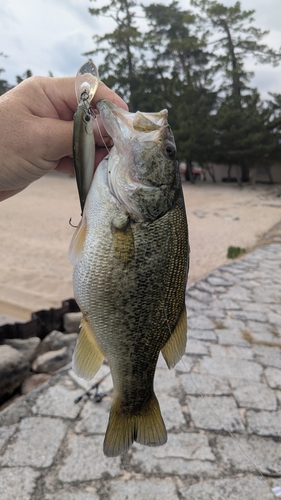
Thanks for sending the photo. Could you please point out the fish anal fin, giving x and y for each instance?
(123, 239)
(87, 357)
(146, 427)
(77, 242)
(174, 349)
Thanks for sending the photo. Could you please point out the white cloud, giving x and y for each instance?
(51, 36)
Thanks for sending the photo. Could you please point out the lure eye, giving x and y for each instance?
(170, 150)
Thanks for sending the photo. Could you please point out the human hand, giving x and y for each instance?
(36, 127)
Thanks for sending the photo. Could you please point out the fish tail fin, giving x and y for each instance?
(146, 427)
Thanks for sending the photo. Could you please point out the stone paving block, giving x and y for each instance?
(161, 363)
(246, 315)
(264, 423)
(256, 396)
(193, 304)
(198, 384)
(274, 319)
(218, 281)
(5, 433)
(58, 401)
(268, 356)
(264, 452)
(171, 412)
(79, 495)
(230, 351)
(203, 297)
(86, 460)
(15, 412)
(182, 454)
(231, 368)
(105, 386)
(215, 313)
(165, 381)
(239, 488)
(273, 377)
(196, 347)
(185, 364)
(204, 286)
(266, 294)
(35, 443)
(237, 293)
(252, 306)
(215, 413)
(231, 337)
(207, 335)
(94, 417)
(17, 483)
(200, 323)
(226, 304)
(148, 489)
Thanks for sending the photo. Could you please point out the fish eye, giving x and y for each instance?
(170, 150)
(87, 118)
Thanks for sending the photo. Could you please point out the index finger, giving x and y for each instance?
(103, 92)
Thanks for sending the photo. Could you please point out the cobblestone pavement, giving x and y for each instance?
(230, 378)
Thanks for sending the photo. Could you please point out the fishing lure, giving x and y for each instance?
(86, 84)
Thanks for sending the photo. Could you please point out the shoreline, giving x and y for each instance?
(35, 234)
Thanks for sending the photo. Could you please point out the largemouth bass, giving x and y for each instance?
(130, 256)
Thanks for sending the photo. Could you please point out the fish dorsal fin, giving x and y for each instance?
(87, 357)
(174, 349)
(77, 242)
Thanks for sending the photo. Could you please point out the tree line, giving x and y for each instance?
(194, 63)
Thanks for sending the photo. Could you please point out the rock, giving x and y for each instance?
(71, 322)
(52, 361)
(34, 381)
(28, 347)
(14, 368)
(57, 340)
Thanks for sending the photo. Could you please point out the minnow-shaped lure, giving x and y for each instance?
(86, 84)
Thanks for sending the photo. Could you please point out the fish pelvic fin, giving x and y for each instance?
(174, 349)
(87, 357)
(146, 427)
(77, 242)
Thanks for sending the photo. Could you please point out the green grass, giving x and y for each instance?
(234, 252)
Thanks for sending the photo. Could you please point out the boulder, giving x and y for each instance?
(14, 368)
(34, 381)
(71, 322)
(52, 361)
(57, 340)
(28, 347)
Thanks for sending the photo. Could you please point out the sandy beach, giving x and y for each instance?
(35, 233)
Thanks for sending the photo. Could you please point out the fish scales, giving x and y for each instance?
(130, 284)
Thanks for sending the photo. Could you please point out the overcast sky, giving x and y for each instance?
(51, 36)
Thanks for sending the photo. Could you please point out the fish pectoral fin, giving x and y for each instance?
(87, 357)
(146, 427)
(174, 349)
(77, 242)
(123, 239)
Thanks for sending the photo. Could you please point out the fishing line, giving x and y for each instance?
(101, 136)
(276, 490)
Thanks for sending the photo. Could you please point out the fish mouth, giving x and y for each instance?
(122, 125)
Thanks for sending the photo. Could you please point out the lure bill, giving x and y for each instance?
(86, 84)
